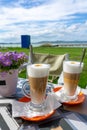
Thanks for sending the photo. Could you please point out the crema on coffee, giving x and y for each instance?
(38, 70)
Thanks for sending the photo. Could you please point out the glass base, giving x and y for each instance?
(37, 107)
(64, 97)
(72, 98)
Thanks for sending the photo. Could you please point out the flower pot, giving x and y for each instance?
(8, 82)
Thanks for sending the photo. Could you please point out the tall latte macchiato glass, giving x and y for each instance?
(38, 75)
(71, 72)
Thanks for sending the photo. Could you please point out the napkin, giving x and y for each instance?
(20, 109)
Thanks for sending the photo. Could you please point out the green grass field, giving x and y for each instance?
(74, 53)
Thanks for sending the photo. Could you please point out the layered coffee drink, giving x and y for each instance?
(71, 72)
(38, 75)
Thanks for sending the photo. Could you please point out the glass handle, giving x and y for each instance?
(25, 92)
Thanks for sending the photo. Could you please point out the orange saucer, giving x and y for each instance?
(36, 118)
(81, 98)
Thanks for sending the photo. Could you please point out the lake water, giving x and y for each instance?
(64, 44)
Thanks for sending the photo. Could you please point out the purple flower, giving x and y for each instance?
(7, 62)
(2, 58)
(12, 60)
(14, 57)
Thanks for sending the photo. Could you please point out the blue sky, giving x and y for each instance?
(44, 20)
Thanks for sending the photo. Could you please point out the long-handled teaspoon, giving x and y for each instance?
(83, 55)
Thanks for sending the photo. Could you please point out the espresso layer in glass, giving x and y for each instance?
(37, 89)
(71, 82)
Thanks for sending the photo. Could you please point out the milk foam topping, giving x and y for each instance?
(38, 70)
(72, 67)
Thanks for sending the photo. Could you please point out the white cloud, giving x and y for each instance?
(55, 10)
(51, 19)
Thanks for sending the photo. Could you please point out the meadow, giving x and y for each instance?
(74, 54)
